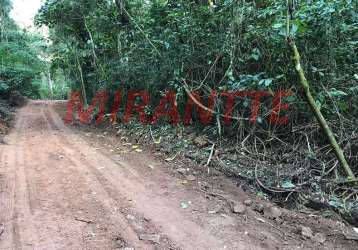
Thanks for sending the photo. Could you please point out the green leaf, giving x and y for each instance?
(294, 29)
(277, 25)
(3, 86)
(256, 54)
(266, 82)
(353, 42)
(336, 93)
(288, 184)
(230, 75)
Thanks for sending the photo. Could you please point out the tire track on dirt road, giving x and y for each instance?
(146, 196)
(103, 194)
(18, 210)
(60, 196)
(60, 192)
(7, 191)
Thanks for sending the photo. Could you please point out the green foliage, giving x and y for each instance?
(60, 86)
(231, 45)
(20, 64)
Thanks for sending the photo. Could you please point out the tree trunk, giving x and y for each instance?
(50, 84)
(84, 93)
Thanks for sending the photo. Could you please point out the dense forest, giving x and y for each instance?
(21, 68)
(221, 45)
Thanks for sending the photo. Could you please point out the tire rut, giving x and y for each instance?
(130, 184)
(110, 197)
(62, 193)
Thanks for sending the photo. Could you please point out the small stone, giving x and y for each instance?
(279, 221)
(231, 157)
(306, 232)
(239, 208)
(259, 208)
(201, 141)
(155, 238)
(121, 243)
(191, 136)
(352, 235)
(181, 170)
(319, 238)
(272, 212)
(216, 210)
(191, 178)
(248, 202)
(130, 217)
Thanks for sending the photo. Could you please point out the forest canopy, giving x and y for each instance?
(221, 45)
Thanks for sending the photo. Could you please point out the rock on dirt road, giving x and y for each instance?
(57, 191)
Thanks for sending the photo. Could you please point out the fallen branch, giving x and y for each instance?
(155, 141)
(206, 108)
(83, 220)
(211, 154)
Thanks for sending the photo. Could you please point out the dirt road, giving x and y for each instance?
(57, 191)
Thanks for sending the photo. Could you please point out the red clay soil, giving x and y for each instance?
(63, 189)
